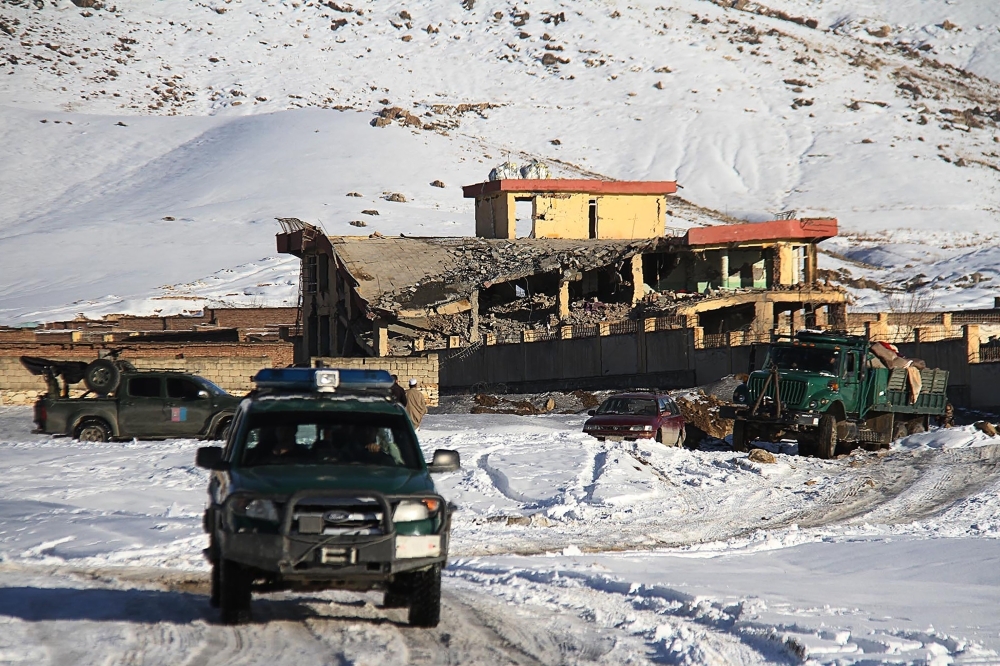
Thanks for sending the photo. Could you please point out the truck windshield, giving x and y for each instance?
(634, 406)
(807, 359)
(308, 438)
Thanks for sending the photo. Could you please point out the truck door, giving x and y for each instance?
(188, 407)
(140, 409)
(851, 384)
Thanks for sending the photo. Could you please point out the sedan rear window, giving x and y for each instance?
(634, 406)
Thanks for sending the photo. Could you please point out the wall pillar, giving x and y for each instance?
(474, 317)
(724, 267)
(970, 336)
(380, 337)
(784, 264)
(811, 264)
(763, 316)
(637, 283)
(562, 300)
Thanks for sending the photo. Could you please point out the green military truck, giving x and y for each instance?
(830, 392)
(322, 485)
(128, 403)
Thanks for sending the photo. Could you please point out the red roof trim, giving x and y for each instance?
(808, 229)
(649, 187)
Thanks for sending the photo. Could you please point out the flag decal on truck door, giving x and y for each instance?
(178, 414)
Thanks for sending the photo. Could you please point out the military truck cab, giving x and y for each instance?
(830, 393)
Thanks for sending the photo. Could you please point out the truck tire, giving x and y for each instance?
(425, 598)
(739, 435)
(915, 427)
(234, 592)
(222, 430)
(102, 376)
(92, 430)
(827, 445)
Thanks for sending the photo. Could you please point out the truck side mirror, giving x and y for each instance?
(203, 394)
(445, 460)
(210, 457)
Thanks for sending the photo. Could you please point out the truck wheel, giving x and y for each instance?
(827, 445)
(425, 601)
(234, 592)
(915, 427)
(396, 596)
(92, 430)
(101, 376)
(222, 430)
(739, 435)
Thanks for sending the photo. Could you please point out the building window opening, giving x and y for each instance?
(592, 216)
(309, 273)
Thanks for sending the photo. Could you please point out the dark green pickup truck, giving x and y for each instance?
(143, 404)
(831, 393)
(322, 485)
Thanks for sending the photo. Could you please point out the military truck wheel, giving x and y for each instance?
(425, 599)
(102, 376)
(125, 366)
(827, 445)
(234, 592)
(92, 430)
(739, 435)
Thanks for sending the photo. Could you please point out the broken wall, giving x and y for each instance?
(562, 216)
(496, 216)
(629, 216)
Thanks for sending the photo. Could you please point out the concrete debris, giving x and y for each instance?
(762, 456)
(986, 427)
(701, 414)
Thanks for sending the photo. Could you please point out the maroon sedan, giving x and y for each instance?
(634, 416)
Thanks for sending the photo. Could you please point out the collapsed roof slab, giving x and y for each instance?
(566, 185)
(412, 277)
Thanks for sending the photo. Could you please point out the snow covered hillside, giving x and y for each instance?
(148, 146)
(564, 550)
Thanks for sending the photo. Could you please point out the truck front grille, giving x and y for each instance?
(792, 390)
(345, 518)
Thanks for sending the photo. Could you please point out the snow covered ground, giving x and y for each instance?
(565, 550)
(148, 147)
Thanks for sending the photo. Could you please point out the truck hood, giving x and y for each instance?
(797, 387)
(287, 479)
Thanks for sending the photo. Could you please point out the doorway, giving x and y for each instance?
(524, 212)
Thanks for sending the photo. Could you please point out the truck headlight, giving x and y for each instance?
(262, 509)
(409, 511)
(741, 395)
(256, 508)
(813, 404)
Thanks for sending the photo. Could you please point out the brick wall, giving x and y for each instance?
(229, 365)
(422, 368)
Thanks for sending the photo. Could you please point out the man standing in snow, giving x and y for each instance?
(416, 405)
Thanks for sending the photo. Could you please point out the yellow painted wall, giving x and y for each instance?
(495, 217)
(629, 216)
(562, 216)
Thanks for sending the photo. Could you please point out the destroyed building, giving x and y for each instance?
(597, 252)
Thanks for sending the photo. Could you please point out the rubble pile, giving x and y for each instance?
(701, 412)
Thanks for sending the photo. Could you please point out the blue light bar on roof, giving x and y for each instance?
(322, 380)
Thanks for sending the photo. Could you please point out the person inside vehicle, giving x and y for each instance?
(277, 445)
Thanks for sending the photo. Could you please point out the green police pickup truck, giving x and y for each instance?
(322, 485)
(128, 402)
(831, 393)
